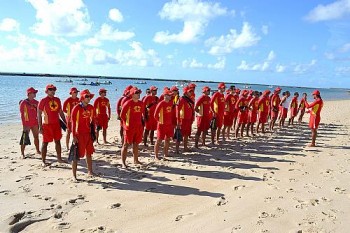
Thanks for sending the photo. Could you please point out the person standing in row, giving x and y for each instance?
(124, 97)
(274, 104)
(293, 107)
(150, 103)
(29, 116)
(242, 106)
(301, 108)
(202, 108)
(103, 114)
(185, 114)
(165, 130)
(283, 111)
(50, 128)
(68, 105)
(82, 117)
(315, 115)
(253, 112)
(263, 110)
(131, 115)
(230, 107)
(218, 108)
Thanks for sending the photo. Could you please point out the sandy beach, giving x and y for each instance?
(271, 183)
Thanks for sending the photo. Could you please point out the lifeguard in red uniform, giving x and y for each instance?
(230, 107)
(202, 108)
(263, 110)
(150, 103)
(242, 106)
(253, 106)
(68, 105)
(102, 114)
(293, 108)
(218, 108)
(274, 104)
(315, 115)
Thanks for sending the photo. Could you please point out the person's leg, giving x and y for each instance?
(177, 146)
(89, 164)
(121, 133)
(97, 135)
(151, 137)
(247, 130)
(58, 151)
(104, 132)
(263, 128)
(156, 149)
(166, 147)
(35, 132)
(257, 127)
(145, 136)
(74, 169)
(218, 134)
(204, 135)
(43, 153)
(123, 154)
(22, 151)
(196, 138)
(242, 129)
(185, 143)
(237, 130)
(313, 137)
(135, 151)
(224, 133)
(67, 138)
(213, 132)
(229, 132)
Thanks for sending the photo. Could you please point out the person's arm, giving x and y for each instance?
(24, 113)
(109, 110)
(198, 103)
(124, 111)
(157, 111)
(66, 105)
(74, 116)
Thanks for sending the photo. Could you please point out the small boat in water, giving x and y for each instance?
(65, 81)
(104, 82)
(140, 82)
(94, 84)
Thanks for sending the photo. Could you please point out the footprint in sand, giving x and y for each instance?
(62, 226)
(238, 187)
(181, 216)
(115, 206)
(222, 201)
(339, 190)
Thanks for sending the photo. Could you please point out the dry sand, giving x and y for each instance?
(272, 183)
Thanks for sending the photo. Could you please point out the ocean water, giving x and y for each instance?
(13, 89)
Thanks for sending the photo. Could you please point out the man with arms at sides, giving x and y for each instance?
(302, 108)
(283, 109)
(253, 112)
(82, 117)
(202, 108)
(274, 104)
(68, 105)
(131, 115)
(29, 116)
(242, 106)
(50, 128)
(150, 103)
(120, 101)
(165, 130)
(263, 110)
(315, 115)
(102, 113)
(230, 106)
(217, 105)
(293, 107)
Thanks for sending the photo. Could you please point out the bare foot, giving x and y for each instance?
(124, 166)
(38, 152)
(157, 158)
(61, 161)
(45, 164)
(138, 162)
(311, 145)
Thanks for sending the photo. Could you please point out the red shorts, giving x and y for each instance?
(102, 121)
(228, 120)
(151, 123)
(274, 114)
(314, 121)
(243, 117)
(263, 117)
(186, 127)
(219, 120)
(165, 132)
(69, 124)
(133, 135)
(52, 132)
(252, 116)
(203, 123)
(293, 112)
(85, 144)
(283, 112)
(235, 114)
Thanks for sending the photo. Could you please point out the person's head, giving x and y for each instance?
(316, 94)
(102, 92)
(287, 93)
(245, 93)
(296, 94)
(266, 93)
(255, 94)
(175, 90)
(73, 92)
(153, 90)
(228, 91)
(237, 91)
(304, 95)
(31, 93)
(221, 87)
(127, 91)
(232, 87)
(278, 90)
(206, 90)
(192, 85)
(167, 95)
(135, 93)
(187, 91)
(148, 91)
(86, 96)
(50, 90)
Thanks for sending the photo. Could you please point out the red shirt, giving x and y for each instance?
(51, 107)
(151, 102)
(203, 105)
(315, 106)
(275, 101)
(119, 105)
(69, 104)
(102, 106)
(81, 119)
(131, 114)
(263, 105)
(164, 113)
(254, 104)
(242, 104)
(294, 102)
(230, 101)
(302, 103)
(29, 114)
(184, 110)
(218, 103)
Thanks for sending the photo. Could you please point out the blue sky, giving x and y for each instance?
(289, 42)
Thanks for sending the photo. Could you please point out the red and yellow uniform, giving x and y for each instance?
(263, 108)
(230, 107)
(242, 106)
(302, 104)
(164, 115)
(68, 106)
(51, 107)
(81, 118)
(294, 106)
(102, 111)
(253, 110)
(218, 107)
(275, 102)
(315, 112)
(185, 113)
(203, 117)
(29, 115)
(150, 103)
(131, 115)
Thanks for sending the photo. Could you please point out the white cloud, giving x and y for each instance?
(115, 15)
(343, 70)
(234, 40)
(99, 57)
(61, 17)
(271, 56)
(263, 66)
(194, 13)
(219, 65)
(345, 48)
(192, 63)
(108, 33)
(265, 29)
(92, 42)
(8, 25)
(303, 68)
(280, 68)
(332, 11)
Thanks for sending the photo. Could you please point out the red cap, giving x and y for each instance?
(245, 92)
(192, 85)
(166, 88)
(228, 91)
(278, 89)
(187, 89)
(174, 88)
(102, 90)
(316, 92)
(85, 93)
(221, 85)
(31, 90)
(251, 91)
(73, 89)
(135, 90)
(50, 86)
(237, 90)
(266, 92)
(167, 92)
(153, 88)
(205, 89)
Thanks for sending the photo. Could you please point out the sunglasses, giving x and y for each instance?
(51, 89)
(87, 96)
